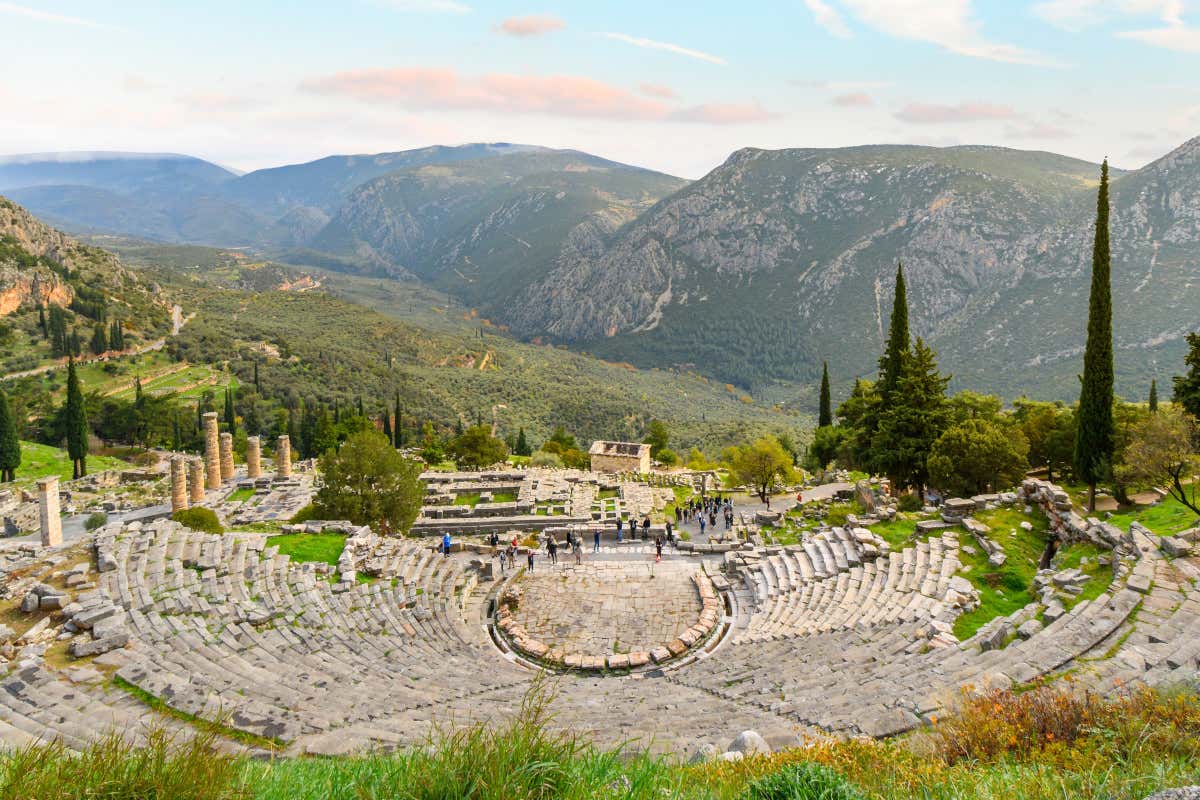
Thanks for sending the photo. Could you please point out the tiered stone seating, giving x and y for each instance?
(884, 679)
(826, 585)
(224, 625)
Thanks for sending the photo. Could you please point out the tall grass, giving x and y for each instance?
(1048, 744)
(110, 769)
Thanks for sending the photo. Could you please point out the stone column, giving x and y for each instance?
(179, 495)
(283, 457)
(50, 514)
(253, 457)
(196, 480)
(226, 456)
(212, 451)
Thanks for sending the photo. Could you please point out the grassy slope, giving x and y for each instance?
(39, 461)
(1165, 518)
(319, 547)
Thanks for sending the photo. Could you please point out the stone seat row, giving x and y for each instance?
(907, 585)
(885, 679)
(225, 625)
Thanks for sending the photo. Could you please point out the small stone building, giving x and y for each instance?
(620, 457)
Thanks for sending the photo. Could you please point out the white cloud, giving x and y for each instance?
(667, 46)
(48, 16)
(828, 18)
(946, 23)
(1173, 34)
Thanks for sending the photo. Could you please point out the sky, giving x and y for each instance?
(673, 86)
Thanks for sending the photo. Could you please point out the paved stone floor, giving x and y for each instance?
(604, 607)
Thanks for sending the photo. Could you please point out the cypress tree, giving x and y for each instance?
(361, 411)
(891, 365)
(1095, 432)
(387, 427)
(230, 418)
(10, 445)
(522, 446)
(42, 321)
(399, 432)
(1153, 396)
(99, 341)
(257, 385)
(76, 344)
(825, 414)
(77, 427)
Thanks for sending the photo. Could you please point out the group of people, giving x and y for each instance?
(704, 511)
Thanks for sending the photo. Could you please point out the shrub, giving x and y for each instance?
(309, 512)
(910, 502)
(95, 520)
(803, 781)
(199, 519)
(543, 459)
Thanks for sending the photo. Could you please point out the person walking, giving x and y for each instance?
(620, 527)
(446, 544)
(646, 527)
(701, 525)
(658, 544)
(500, 554)
(670, 533)
(552, 550)
(596, 541)
(578, 551)
(529, 559)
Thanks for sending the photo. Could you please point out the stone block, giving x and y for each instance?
(1175, 547)
(82, 649)
(749, 743)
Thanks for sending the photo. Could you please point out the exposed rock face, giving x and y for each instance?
(23, 288)
(996, 246)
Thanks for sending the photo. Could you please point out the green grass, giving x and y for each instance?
(1122, 748)
(1001, 591)
(316, 547)
(40, 461)
(468, 499)
(898, 533)
(240, 496)
(1071, 557)
(604, 494)
(1165, 518)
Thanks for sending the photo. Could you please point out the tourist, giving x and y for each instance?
(670, 533)
(578, 551)
(596, 541)
(701, 525)
(500, 555)
(529, 558)
(658, 543)
(646, 527)
(552, 550)
(620, 525)
(446, 544)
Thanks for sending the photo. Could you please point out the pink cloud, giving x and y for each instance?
(559, 95)
(657, 90)
(530, 26)
(854, 100)
(934, 114)
(1038, 130)
(722, 113)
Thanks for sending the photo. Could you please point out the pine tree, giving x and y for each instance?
(77, 426)
(10, 445)
(825, 413)
(1153, 396)
(521, 447)
(891, 365)
(1095, 432)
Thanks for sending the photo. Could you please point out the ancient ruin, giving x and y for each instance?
(212, 451)
(616, 457)
(839, 633)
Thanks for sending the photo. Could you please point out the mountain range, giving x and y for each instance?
(772, 263)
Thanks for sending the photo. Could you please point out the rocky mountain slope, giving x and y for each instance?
(779, 259)
(486, 229)
(42, 266)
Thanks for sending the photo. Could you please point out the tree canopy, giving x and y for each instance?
(1162, 451)
(367, 481)
(761, 464)
(476, 448)
(976, 454)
